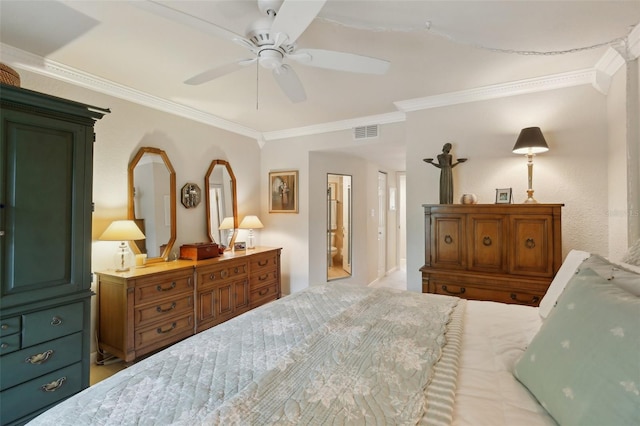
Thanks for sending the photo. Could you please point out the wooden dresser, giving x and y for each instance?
(46, 164)
(148, 308)
(502, 252)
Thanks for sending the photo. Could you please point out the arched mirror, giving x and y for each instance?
(152, 202)
(338, 226)
(220, 196)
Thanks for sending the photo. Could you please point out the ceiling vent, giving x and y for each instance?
(365, 132)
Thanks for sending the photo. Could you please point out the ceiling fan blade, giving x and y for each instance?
(214, 73)
(340, 61)
(290, 83)
(294, 17)
(189, 20)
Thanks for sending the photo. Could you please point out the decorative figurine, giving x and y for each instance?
(446, 174)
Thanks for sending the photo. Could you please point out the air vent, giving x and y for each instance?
(365, 132)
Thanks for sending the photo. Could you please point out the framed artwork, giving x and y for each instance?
(283, 192)
(239, 245)
(503, 196)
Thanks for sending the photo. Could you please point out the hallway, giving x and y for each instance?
(396, 279)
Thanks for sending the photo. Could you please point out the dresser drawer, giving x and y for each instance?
(165, 332)
(481, 291)
(33, 395)
(52, 323)
(262, 278)
(263, 261)
(223, 272)
(9, 326)
(157, 288)
(263, 295)
(163, 309)
(35, 361)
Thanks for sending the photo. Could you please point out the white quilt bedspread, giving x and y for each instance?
(185, 382)
(495, 336)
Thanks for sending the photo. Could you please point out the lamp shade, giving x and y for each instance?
(530, 141)
(122, 230)
(251, 222)
(227, 223)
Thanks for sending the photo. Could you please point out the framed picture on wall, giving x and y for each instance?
(503, 196)
(283, 192)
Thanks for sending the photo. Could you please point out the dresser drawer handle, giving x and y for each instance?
(448, 239)
(56, 321)
(4, 346)
(266, 262)
(224, 274)
(530, 243)
(39, 358)
(53, 386)
(445, 289)
(161, 331)
(487, 241)
(533, 300)
(263, 291)
(263, 277)
(5, 326)
(171, 287)
(162, 311)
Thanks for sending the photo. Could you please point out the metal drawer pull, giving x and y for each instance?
(159, 330)
(162, 311)
(171, 287)
(529, 243)
(56, 321)
(225, 273)
(39, 358)
(53, 386)
(487, 241)
(4, 346)
(263, 277)
(448, 239)
(462, 290)
(263, 291)
(266, 262)
(533, 300)
(5, 326)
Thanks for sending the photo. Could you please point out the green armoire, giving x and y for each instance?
(46, 171)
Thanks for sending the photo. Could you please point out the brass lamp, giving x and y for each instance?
(123, 231)
(530, 142)
(251, 223)
(227, 225)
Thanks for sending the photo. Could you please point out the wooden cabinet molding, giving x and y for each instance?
(146, 309)
(506, 253)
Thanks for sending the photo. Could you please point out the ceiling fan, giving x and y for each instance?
(271, 41)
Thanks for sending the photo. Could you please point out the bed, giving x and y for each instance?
(345, 354)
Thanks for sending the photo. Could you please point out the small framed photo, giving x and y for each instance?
(239, 245)
(503, 196)
(283, 192)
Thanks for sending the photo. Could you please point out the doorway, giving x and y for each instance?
(338, 226)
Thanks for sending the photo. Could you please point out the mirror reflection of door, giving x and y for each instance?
(338, 226)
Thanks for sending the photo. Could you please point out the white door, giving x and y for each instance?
(402, 220)
(346, 222)
(382, 224)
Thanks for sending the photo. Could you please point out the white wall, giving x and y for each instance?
(573, 171)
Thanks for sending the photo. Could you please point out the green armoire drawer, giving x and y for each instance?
(31, 396)
(9, 326)
(41, 359)
(38, 327)
(9, 344)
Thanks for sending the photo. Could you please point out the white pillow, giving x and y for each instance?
(566, 271)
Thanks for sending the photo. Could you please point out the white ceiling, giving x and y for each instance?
(435, 47)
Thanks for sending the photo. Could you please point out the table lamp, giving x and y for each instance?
(251, 223)
(123, 231)
(228, 225)
(530, 142)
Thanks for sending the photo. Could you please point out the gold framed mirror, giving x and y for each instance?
(220, 200)
(152, 202)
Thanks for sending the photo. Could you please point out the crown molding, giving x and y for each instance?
(24, 60)
(521, 87)
(334, 126)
